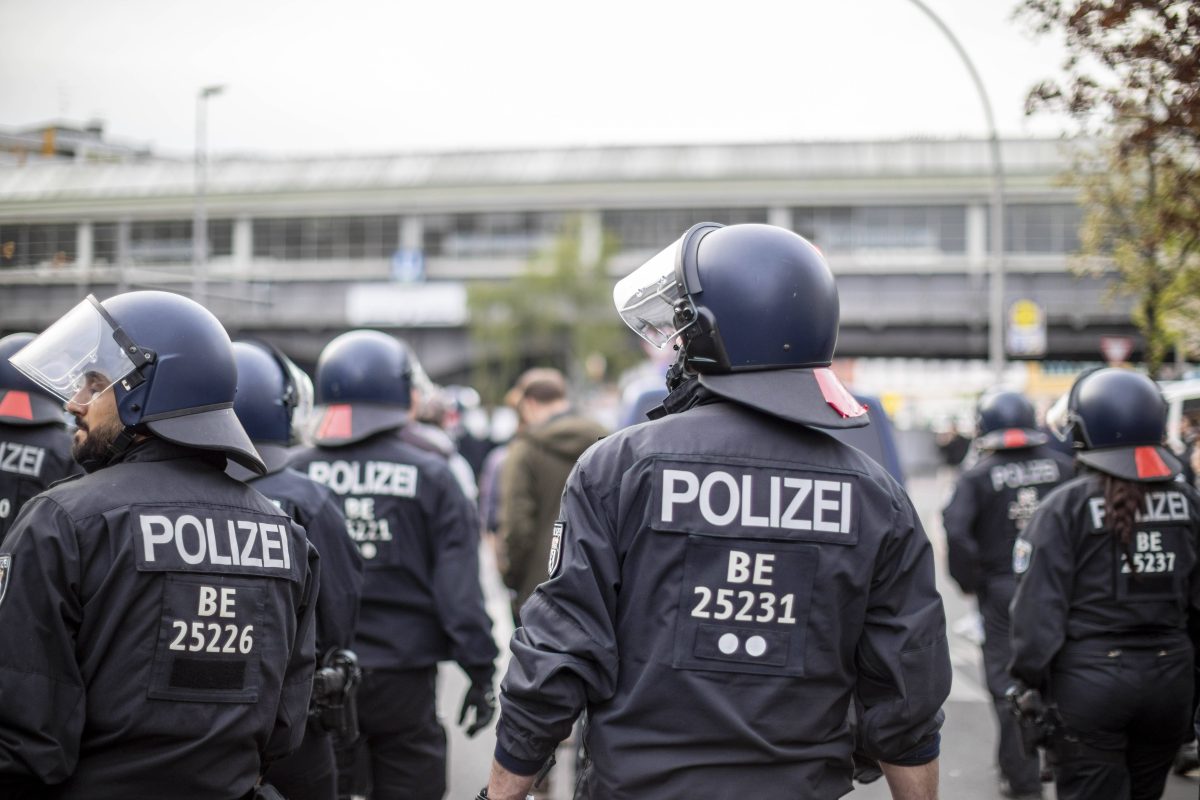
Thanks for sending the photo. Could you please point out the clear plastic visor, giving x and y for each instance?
(1059, 418)
(76, 358)
(302, 413)
(646, 297)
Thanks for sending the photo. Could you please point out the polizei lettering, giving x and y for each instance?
(21, 459)
(1157, 507)
(700, 498)
(371, 477)
(1024, 473)
(192, 543)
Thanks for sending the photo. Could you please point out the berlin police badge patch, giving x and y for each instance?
(556, 545)
(1022, 550)
(5, 568)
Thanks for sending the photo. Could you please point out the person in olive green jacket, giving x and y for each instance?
(535, 470)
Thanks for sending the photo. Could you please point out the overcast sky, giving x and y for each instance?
(304, 76)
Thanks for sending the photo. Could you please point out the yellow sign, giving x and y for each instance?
(1026, 334)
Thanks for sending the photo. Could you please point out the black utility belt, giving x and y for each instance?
(1114, 647)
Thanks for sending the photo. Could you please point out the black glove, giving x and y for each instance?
(480, 698)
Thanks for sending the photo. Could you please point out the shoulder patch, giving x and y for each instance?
(5, 569)
(1022, 551)
(556, 545)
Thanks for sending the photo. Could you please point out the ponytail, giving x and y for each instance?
(1122, 499)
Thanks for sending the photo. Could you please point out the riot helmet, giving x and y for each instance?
(23, 402)
(1117, 420)
(754, 313)
(364, 385)
(1006, 420)
(274, 399)
(165, 357)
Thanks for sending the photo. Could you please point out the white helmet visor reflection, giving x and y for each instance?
(646, 297)
(1059, 419)
(77, 357)
(302, 398)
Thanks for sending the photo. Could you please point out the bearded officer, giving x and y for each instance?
(419, 538)
(726, 579)
(274, 401)
(992, 502)
(156, 614)
(35, 449)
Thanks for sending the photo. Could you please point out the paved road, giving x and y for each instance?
(967, 739)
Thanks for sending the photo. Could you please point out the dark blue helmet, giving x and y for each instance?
(273, 396)
(1117, 419)
(1006, 420)
(168, 361)
(364, 383)
(23, 402)
(756, 309)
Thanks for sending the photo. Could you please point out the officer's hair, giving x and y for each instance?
(1122, 499)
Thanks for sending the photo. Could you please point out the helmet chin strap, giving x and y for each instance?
(677, 373)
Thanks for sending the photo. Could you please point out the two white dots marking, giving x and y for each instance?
(755, 645)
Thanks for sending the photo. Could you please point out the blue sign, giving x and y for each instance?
(408, 266)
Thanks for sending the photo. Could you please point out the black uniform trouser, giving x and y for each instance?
(1125, 711)
(309, 773)
(1022, 772)
(401, 748)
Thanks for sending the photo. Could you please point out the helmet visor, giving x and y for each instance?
(77, 357)
(646, 297)
(1060, 420)
(302, 399)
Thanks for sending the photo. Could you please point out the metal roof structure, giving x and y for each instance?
(925, 160)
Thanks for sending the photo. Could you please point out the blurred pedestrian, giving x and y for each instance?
(992, 502)
(1108, 578)
(156, 615)
(535, 470)
(35, 448)
(274, 398)
(419, 539)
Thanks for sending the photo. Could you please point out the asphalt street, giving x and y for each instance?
(968, 738)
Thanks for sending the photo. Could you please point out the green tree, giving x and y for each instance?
(558, 312)
(1131, 83)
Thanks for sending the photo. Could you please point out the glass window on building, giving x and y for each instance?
(36, 245)
(848, 229)
(1042, 227)
(648, 229)
(105, 244)
(170, 241)
(518, 234)
(326, 238)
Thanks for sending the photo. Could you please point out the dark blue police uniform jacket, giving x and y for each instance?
(419, 538)
(156, 632)
(722, 584)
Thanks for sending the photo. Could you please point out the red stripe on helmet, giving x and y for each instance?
(1149, 463)
(336, 424)
(16, 405)
(836, 395)
(1015, 437)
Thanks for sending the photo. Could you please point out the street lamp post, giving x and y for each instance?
(996, 285)
(200, 213)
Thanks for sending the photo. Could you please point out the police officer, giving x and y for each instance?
(274, 398)
(35, 450)
(1108, 575)
(419, 538)
(992, 502)
(724, 579)
(156, 622)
